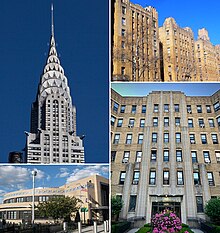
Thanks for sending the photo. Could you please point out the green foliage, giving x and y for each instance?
(144, 230)
(212, 210)
(216, 230)
(185, 225)
(185, 229)
(116, 206)
(147, 225)
(120, 227)
(59, 207)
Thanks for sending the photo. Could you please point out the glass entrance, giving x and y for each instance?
(157, 207)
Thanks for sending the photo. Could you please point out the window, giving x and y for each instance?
(166, 107)
(176, 107)
(194, 156)
(166, 178)
(189, 109)
(113, 120)
(128, 139)
(179, 156)
(123, 21)
(152, 179)
(208, 108)
(199, 108)
(133, 109)
(217, 155)
(140, 138)
(196, 177)
(155, 121)
(166, 137)
(113, 155)
(211, 123)
(178, 137)
(123, 10)
(210, 179)
(122, 177)
(177, 121)
(180, 178)
(120, 121)
(154, 137)
(153, 155)
(190, 123)
(123, 44)
(156, 107)
(116, 139)
(123, 70)
(123, 108)
(122, 32)
(199, 204)
(138, 156)
(166, 155)
(132, 204)
(203, 139)
(206, 156)
(115, 107)
(166, 121)
(131, 123)
(136, 177)
(218, 120)
(216, 106)
(142, 123)
(143, 110)
(214, 139)
(201, 123)
(126, 157)
(192, 138)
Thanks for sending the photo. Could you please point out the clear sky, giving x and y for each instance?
(81, 33)
(192, 13)
(16, 177)
(143, 89)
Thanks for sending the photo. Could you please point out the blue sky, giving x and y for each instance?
(143, 89)
(192, 13)
(16, 177)
(81, 33)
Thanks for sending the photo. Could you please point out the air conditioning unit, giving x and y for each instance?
(189, 111)
(207, 160)
(135, 182)
(130, 126)
(202, 126)
(192, 141)
(124, 161)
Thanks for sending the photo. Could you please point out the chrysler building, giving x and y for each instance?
(52, 137)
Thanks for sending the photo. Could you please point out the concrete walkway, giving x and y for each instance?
(197, 231)
(89, 229)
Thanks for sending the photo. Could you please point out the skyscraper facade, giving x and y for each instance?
(165, 153)
(52, 137)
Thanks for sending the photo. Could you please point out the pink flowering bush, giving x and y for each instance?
(166, 222)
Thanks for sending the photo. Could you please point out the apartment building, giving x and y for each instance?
(165, 153)
(135, 45)
(177, 51)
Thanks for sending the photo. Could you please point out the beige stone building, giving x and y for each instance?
(207, 58)
(92, 190)
(178, 52)
(135, 48)
(165, 153)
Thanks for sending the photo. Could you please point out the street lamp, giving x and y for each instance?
(34, 173)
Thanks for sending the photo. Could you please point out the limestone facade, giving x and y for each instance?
(165, 153)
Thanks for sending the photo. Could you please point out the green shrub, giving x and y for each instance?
(147, 225)
(144, 230)
(216, 230)
(212, 210)
(185, 225)
(185, 229)
(120, 227)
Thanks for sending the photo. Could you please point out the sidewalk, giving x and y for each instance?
(100, 228)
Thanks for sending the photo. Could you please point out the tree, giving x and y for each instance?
(59, 208)
(116, 206)
(212, 210)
